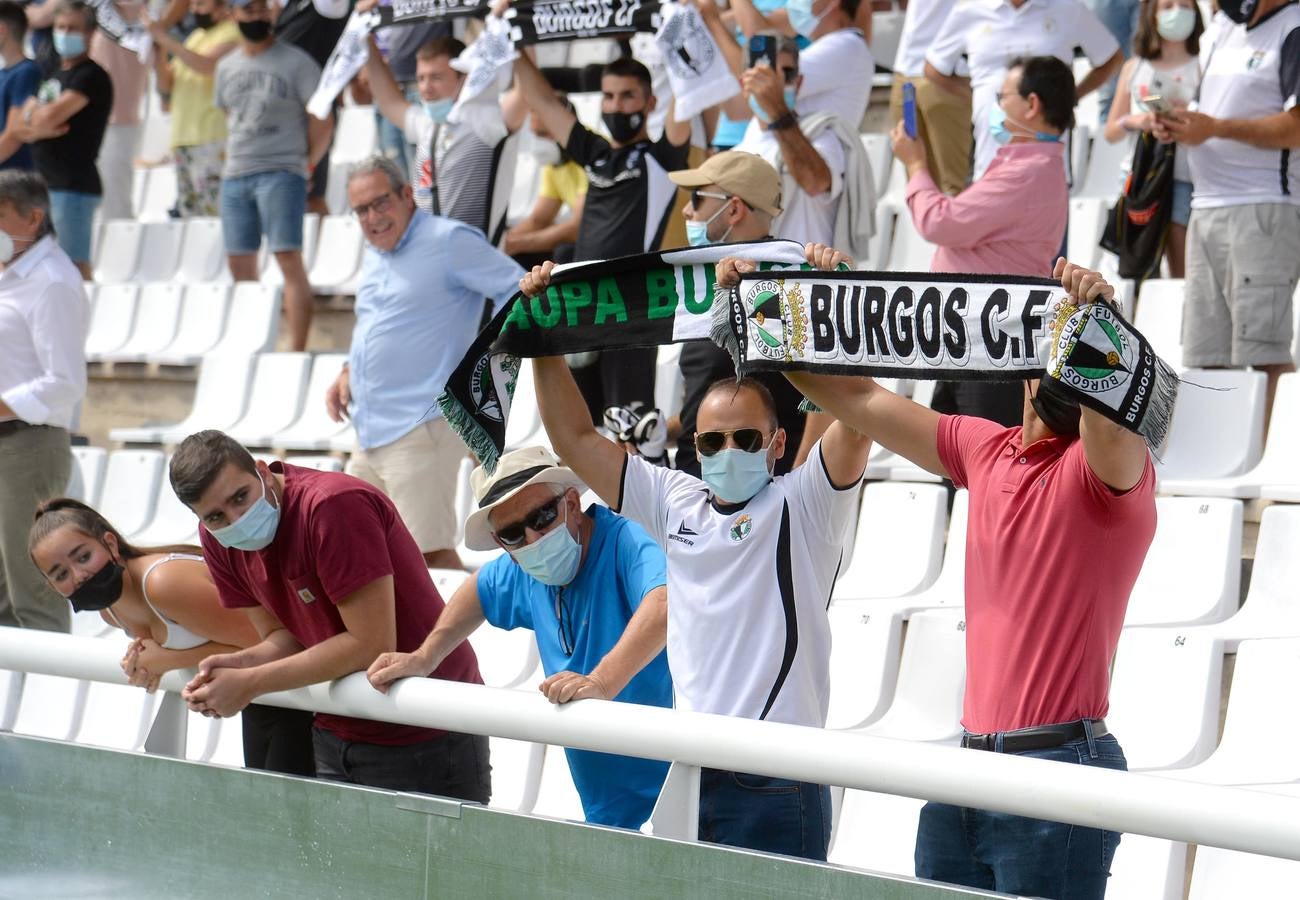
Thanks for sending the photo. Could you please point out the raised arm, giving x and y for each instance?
(540, 97)
(801, 158)
(751, 22)
(387, 95)
(203, 63)
(462, 615)
(1099, 75)
(319, 132)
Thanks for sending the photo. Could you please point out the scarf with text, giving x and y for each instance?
(634, 301)
(131, 35)
(951, 327)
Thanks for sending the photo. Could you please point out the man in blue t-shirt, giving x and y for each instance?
(19, 80)
(591, 586)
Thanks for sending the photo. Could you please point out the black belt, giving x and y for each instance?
(13, 425)
(1041, 737)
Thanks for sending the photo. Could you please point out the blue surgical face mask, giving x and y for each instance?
(788, 95)
(1002, 135)
(801, 17)
(438, 110)
(69, 44)
(734, 475)
(254, 530)
(552, 559)
(697, 233)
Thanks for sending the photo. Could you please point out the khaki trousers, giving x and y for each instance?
(35, 463)
(943, 125)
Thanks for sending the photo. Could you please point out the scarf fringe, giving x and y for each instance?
(720, 330)
(475, 437)
(1159, 416)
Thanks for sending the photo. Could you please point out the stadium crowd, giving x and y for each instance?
(700, 575)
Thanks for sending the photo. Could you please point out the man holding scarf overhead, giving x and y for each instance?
(1062, 511)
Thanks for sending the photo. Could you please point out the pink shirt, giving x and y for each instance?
(1051, 557)
(1010, 222)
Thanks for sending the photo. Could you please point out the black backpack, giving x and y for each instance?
(1138, 223)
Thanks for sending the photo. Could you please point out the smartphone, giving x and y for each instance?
(909, 109)
(762, 47)
(1158, 105)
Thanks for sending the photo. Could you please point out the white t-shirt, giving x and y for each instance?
(920, 27)
(804, 219)
(1248, 73)
(837, 70)
(747, 588)
(991, 33)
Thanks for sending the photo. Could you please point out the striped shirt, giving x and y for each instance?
(464, 174)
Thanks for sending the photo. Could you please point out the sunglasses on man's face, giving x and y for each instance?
(707, 443)
(539, 519)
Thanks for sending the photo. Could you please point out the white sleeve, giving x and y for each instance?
(838, 64)
(331, 9)
(1089, 33)
(418, 127)
(58, 325)
(827, 510)
(831, 151)
(482, 115)
(649, 492)
(950, 45)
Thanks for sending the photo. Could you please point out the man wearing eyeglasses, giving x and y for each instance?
(418, 302)
(591, 586)
(751, 562)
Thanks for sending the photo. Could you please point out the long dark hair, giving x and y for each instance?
(1146, 40)
(54, 513)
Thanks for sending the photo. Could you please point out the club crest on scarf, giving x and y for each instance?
(689, 51)
(778, 324)
(1090, 349)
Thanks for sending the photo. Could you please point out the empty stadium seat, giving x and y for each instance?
(1078, 144)
(271, 274)
(356, 136)
(50, 706)
(1272, 605)
(1164, 697)
(516, 773)
(1192, 571)
(279, 383)
(949, 589)
(1147, 868)
(338, 255)
(1218, 427)
(1219, 873)
(131, 488)
(1087, 219)
(899, 542)
(254, 319)
(931, 683)
(865, 647)
(171, 522)
(908, 252)
(556, 795)
(877, 832)
(159, 194)
(1276, 464)
(157, 316)
(203, 252)
(160, 251)
(1107, 169)
(314, 428)
(220, 398)
(201, 735)
(228, 749)
(117, 716)
(880, 153)
(1160, 318)
(202, 320)
(118, 252)
(882, 237)
(319, 463)
(505, 658)
(111, 319)
(669, 385)
(88, 465)
(11, 695)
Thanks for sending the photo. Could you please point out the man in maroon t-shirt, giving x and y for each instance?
(1062, 511)
(331, 578)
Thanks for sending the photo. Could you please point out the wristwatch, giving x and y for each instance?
(789, 120)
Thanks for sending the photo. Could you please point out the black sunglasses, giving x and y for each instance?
(708, 443)
(539, 519)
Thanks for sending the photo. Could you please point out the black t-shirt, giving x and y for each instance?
(301, 25)
(629, 196)
(68, 162)
(702, 363)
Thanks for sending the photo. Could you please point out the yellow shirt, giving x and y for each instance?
(565, 182)
(195, 121)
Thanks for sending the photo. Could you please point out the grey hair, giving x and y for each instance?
(77, 7)
(24, 191)
(381, 164)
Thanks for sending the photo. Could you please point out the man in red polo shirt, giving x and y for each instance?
(1062, 511)
(331, 578)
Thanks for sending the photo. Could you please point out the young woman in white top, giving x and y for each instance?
(164, 598)
(1165, 65)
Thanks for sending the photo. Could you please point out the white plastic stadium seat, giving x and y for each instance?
(864, 663)
(1107, 169)
(254, 319)
(909, 252)
(118, 252)
(319, 463)
(338, 256)
(131, 488)
(516, 773)
(1192, 572)
(557, 797)
(879, 153)
(314, 428)
(1276, 465)
(159, 194)
(669, 386)
(11, 695)
(1147, 868)
(203, 252)
(1218, 873)
(1160, 318)
(931, 680)
(506, 658)
(111, 319)
(117, 716)
(220, 398)
(882, 237)
(1164, 697)
(356, 135)
(1087, 219)
(158, 311)
(172, 522)
(160, 251)
(899, 543)
(51, 706)
(202, 319)
(88, 465)
(524, 427)
(465, 505)
(271, 274)
(1218, 428)
(279, 382)
(877, 832)
(949, 589)
(229, 747)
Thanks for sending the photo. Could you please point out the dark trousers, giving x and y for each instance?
(617, 378)
(454, 765)
(772, 815)
(278, 740)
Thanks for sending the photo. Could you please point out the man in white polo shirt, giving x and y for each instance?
(1243, 241)
(991, 33)
(751, 563)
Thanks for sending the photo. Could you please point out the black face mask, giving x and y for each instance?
(100, 590)
(1238, 11)
(203, 20)
(256, 31)
(623, 126)
(1059, 414)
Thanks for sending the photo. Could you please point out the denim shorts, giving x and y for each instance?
(73, 215)
(270, 203)
(1182, 206)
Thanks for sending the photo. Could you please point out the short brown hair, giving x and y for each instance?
(745, 383)
(443, 46)
(1146, 40)
(199, 460)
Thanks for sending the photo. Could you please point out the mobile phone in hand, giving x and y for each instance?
(1158, 105)
(762, 47)
(909, 109)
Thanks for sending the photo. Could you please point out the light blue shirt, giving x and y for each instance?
(418, 308)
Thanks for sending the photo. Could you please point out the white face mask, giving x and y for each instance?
(1176, 24)
(7, 248)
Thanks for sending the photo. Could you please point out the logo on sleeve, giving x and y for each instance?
(740, 528)
(684, 535)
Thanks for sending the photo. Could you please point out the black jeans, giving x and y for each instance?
(454, 765)
(278, 740)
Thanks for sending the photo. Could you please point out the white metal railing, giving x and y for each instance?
(1233, 818)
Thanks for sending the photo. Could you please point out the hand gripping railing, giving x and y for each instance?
(1233, 818)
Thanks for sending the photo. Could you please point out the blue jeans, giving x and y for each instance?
(1121, 19)
(264, 202)
(1001, 852)
(772, 815)
(392, 140)
(73, 216)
